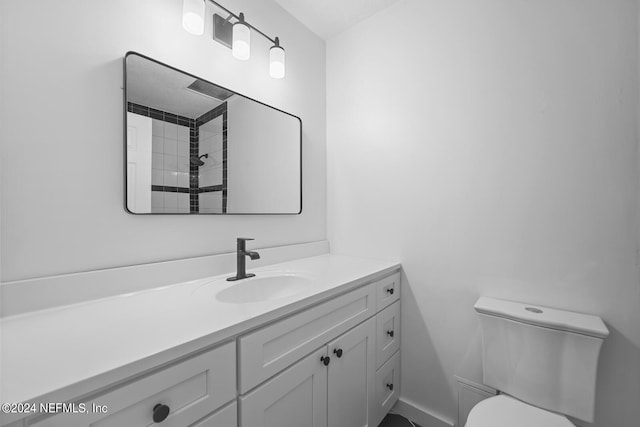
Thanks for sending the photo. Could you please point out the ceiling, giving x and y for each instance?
(328, 18)
(163, 88)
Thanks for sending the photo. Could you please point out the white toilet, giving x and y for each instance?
(543, 361)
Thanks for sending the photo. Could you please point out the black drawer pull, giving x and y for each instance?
(338, 352)
(390, 291)
(390, 333)
(160, 412)
(325, 360)
(390, 387)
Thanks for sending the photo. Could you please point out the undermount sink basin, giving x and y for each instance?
(264, 287)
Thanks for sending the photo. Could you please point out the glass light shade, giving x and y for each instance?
(276, 62)
(193, 16)
(241, 41)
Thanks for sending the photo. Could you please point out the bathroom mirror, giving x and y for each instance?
(194, 147)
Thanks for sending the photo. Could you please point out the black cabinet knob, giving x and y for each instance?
(160, 412)
(325, 360)
(390, 333)
(390, 291)
(338, 352)
(390, 387)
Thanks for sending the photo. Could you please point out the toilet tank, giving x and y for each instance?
(542, 356)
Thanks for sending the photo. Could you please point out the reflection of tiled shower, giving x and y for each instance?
(212, 176)
(178, 184)
(170, 168)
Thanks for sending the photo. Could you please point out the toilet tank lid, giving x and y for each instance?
(545, 317)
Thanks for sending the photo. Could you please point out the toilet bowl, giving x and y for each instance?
(505, 411)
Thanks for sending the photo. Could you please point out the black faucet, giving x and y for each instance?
(242, 262)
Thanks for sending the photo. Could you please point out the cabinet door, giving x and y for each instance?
(351, 377)
(295, 398)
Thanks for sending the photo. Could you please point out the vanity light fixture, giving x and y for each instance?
(276, 60)
(241, 40)
(193, 16)
(236, 35)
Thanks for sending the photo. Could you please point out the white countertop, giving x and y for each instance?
(63, 353)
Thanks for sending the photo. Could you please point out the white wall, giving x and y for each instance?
(62, 191)
(491, 146)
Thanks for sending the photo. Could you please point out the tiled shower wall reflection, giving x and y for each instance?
(178, 183)
(170, 167)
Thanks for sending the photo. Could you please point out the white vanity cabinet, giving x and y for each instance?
(330, 387)
(333, 361)
(335, 384)
(271, 349)
(387, 377)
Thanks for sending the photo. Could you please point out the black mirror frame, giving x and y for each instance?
(126, 208)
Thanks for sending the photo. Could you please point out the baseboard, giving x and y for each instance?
(420, 415)
(24, 296)
(481, 387)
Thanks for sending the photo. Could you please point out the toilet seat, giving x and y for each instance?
(505, 411)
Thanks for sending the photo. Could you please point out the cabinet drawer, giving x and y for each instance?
(269, 350)
(387, 387)
(225, 417)
(387, 333)
(191, 389)
(387, 290)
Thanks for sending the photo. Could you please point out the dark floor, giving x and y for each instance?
(393, 420)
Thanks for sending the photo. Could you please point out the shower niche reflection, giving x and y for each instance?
(194, 147)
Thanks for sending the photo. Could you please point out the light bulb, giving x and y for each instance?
(241, 45)
(276, 60)
(193, 16)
